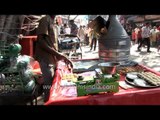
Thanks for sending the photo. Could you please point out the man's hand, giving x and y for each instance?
(66, 60)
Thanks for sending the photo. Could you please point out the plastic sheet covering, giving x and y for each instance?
(134, 96)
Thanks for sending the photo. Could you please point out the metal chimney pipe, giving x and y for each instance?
(114, 45)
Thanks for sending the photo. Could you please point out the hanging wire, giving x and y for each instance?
(27, 27)
(10, 35)
(32, 25)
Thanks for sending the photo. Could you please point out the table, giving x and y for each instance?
(133, 96)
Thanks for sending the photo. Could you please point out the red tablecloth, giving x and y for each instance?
(134, 96)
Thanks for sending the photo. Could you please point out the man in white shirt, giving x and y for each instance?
(145, 37)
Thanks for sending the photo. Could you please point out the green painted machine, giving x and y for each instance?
(15, 69)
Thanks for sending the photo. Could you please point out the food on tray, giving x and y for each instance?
(140, 82)
(150, 78)
(125, 70)
(124, 85)
(131, 76)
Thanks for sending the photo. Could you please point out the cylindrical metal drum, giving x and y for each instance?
(115, 44)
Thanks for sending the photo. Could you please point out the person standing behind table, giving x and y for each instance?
(46, 52)
(145, 37)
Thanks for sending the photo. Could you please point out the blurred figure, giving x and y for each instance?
(153, 36)
(93, 40)
(81, 34)
(89, 32)
(74, 27)
(87, 36)
(67, 29)
(133, 37)
(139, 35)
(145, 37)
(62, 29)
(56, 33)
(129, 30)
(136, 34)
(158, 39)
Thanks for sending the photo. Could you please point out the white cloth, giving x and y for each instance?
(67, 30)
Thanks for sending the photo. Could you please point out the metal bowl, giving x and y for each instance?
(108, 67)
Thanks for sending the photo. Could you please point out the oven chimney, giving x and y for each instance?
(114, 42)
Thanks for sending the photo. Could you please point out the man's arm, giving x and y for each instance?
(52, 51)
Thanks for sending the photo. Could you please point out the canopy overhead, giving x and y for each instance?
(143, 18)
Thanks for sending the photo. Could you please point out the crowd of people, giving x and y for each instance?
(145, 35)
(83, 32)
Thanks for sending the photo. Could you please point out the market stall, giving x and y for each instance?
(113, 79)
(127, 94)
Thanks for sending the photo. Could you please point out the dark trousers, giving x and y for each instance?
(86, 40)
(145, 40)
(48, 71)
(93, 43)
(139, 40)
